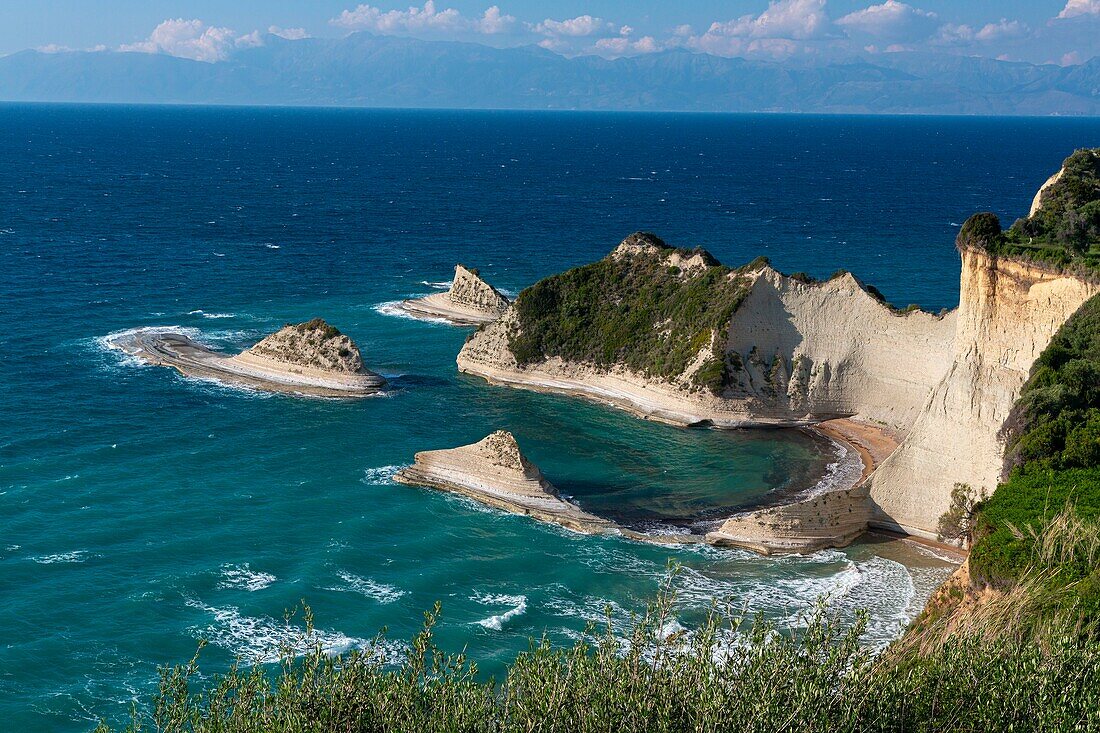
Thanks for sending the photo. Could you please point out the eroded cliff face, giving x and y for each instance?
(829, 349)
(469, 291)
(1008, 313)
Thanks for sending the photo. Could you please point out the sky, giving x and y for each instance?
(1039, 31)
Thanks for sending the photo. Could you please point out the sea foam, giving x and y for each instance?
(496, 622)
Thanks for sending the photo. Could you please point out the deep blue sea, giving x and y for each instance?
(141, 511)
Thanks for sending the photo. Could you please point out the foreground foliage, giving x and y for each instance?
(727, 675)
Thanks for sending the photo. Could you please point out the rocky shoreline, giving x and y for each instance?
(279, 363)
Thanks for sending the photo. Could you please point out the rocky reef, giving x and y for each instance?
(495, 472)
(311, 358)
(470, 301)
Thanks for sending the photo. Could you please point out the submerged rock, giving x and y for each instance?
(495, 472)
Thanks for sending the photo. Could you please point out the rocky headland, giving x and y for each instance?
(311, 358)
(470, 301)
(495, 472)
(673, 335)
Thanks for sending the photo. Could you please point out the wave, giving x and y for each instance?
(843, 472)
(272, 246)
(380, 475)
(261, 639)
(393, 308)
(76, 556)
(368, 587)
(242, 576)
(441, 285)
(204, 314)
(496, 623)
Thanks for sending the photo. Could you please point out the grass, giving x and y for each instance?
(732, 673)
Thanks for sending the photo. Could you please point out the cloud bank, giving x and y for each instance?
(781, 30)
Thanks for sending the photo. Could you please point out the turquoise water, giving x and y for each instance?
(141, 511)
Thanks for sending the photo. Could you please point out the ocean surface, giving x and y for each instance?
(141, 511)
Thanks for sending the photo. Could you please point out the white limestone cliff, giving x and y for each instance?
(1009, 311)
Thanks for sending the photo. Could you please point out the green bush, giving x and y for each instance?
(730, 674)
(632, 309)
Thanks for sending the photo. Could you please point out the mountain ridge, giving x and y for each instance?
(365, 70)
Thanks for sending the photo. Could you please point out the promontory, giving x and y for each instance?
(672, 335)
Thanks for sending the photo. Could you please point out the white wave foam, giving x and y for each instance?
(496, 623)
(844, 471)
(76, 556)
(242, 576)
(261, 639)
(272, 246)
(393, 308)
(380, 475)
(368, 587)
(441, 285)
(204, 314)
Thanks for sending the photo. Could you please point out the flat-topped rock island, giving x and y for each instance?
(311, 358)
(470, 301)
(495, 472)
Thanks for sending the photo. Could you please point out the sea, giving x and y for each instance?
(142, 511)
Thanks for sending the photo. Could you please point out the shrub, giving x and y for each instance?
(631, 309)
(729, 674)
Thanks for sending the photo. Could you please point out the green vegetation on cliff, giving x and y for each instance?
(1064, 232)
(635, 308)
(1053, 437)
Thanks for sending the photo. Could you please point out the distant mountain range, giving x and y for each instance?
(363, 70)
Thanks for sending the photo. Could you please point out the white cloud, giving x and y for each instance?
(582, 25)
(53, 48)
(775, 33)
(794, 19)
(1075, 8)
(951, 34)
(1003, 29)
(892, 20)
(291, 34)
(193, 39)
(623, 46)
(423, 19)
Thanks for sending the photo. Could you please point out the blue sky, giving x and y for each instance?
(1058, 31)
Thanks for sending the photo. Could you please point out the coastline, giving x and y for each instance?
(647, 399)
